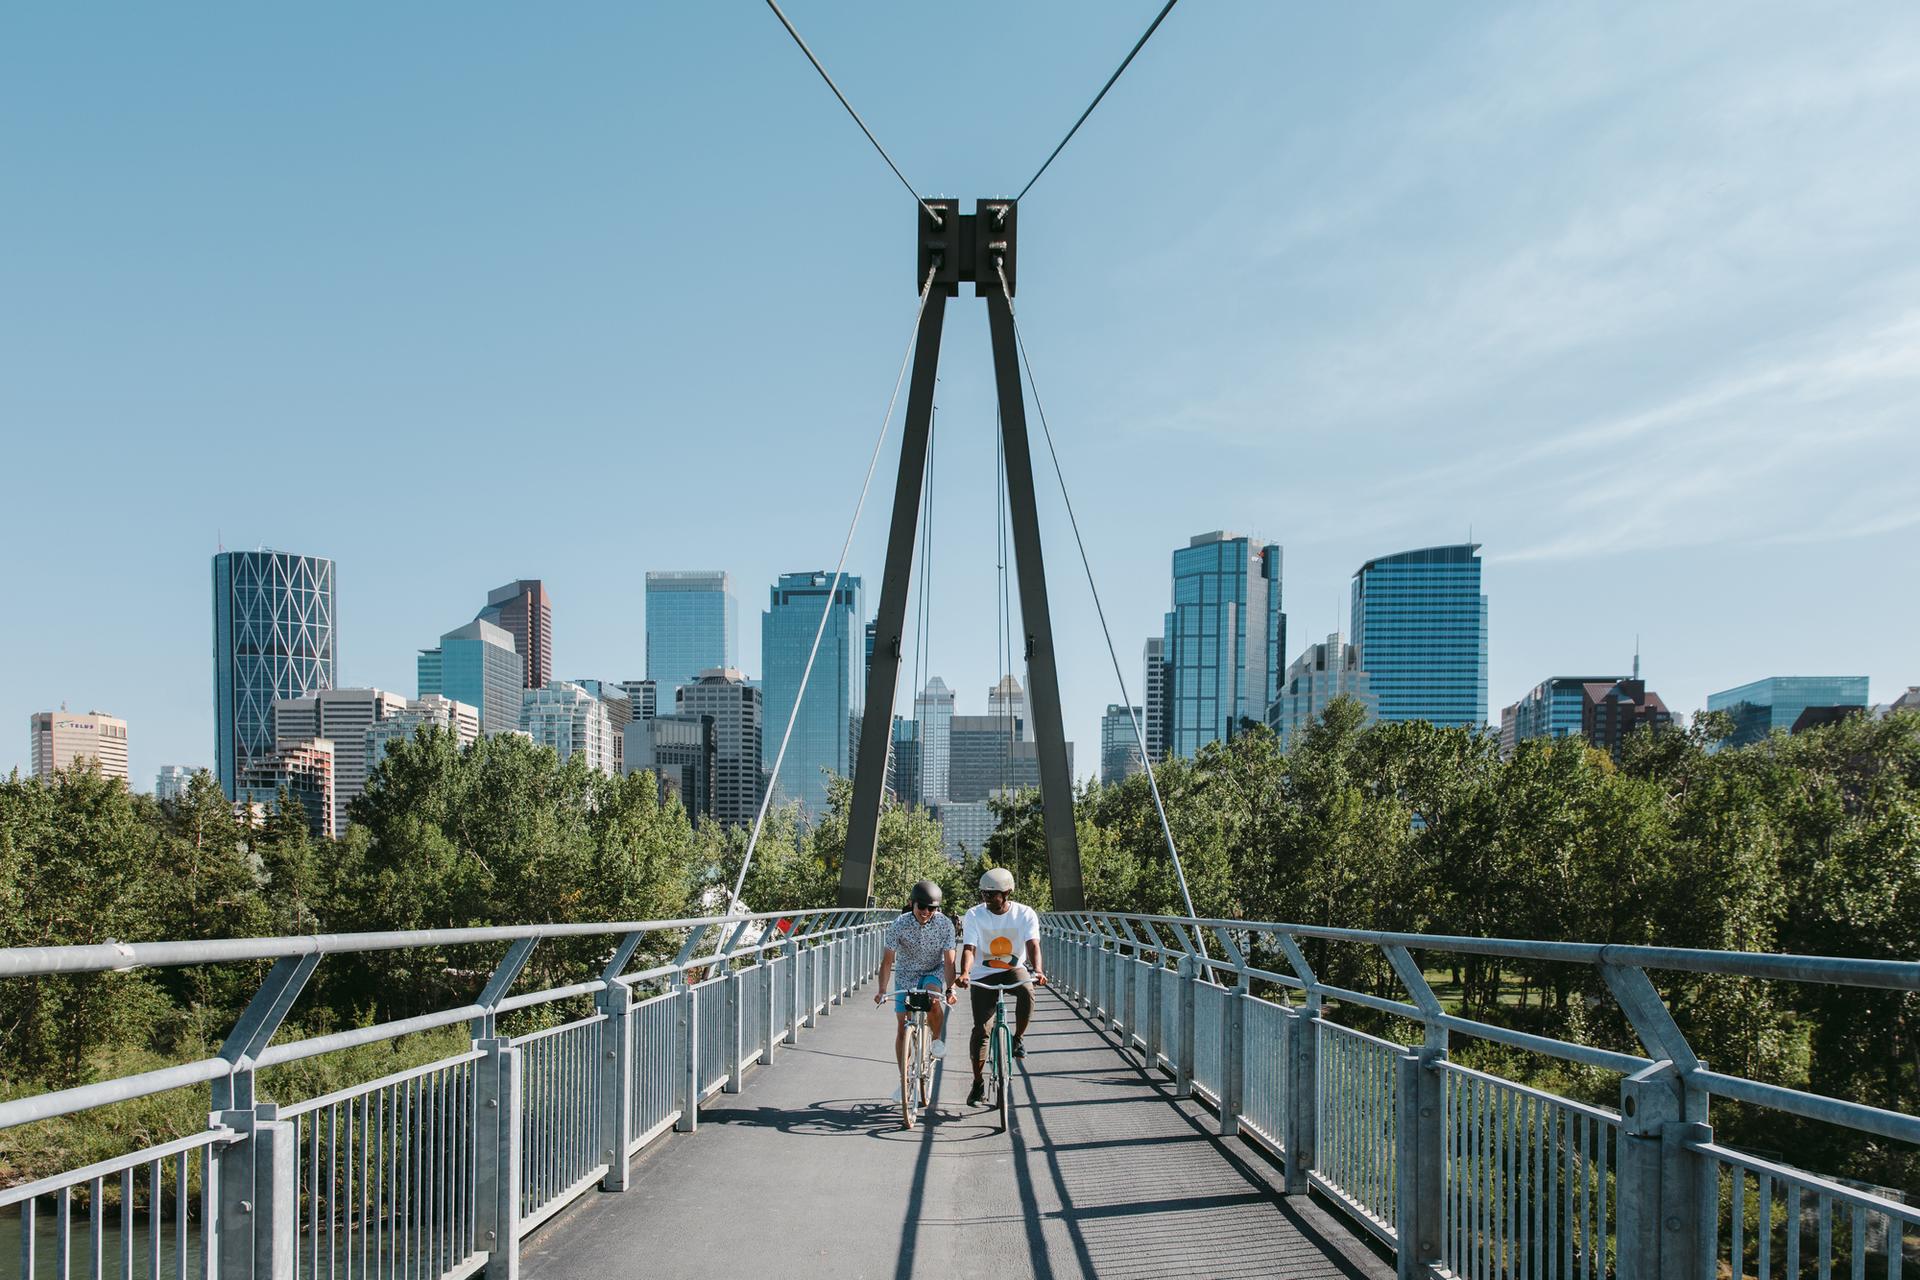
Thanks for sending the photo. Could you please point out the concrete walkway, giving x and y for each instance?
(808, 1173)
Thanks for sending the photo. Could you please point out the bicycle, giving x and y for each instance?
(1000, 1050)
(916, 1064)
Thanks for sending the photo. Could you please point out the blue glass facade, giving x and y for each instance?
(1553, 708)
(1779, 701)
(822, 739)
(1223, 638)
(273, 637)
(478, 665)
(693, 625)
(1420, 625)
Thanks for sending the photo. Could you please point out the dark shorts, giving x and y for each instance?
(984, 997)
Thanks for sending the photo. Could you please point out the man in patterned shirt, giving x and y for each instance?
(919, 943)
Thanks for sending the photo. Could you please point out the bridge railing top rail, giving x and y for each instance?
(1897, 975)
(709, 942)
(1623, 970)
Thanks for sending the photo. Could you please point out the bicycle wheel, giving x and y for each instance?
(1003, 1074)
(908, 1086)
(925, 1059)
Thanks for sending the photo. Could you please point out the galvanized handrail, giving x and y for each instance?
(1459, 1171)
(446, 1166)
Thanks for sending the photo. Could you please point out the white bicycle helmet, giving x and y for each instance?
(997, 880)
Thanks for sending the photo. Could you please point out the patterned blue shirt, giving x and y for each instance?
(918, 949)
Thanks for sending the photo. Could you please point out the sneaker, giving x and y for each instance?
(938, 1049)
(1019, 1047)
(977, 1094)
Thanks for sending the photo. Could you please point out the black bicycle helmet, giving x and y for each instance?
(925, 894)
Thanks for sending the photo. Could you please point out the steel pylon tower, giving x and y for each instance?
(953, 249)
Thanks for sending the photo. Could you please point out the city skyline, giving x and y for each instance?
(1539, 314)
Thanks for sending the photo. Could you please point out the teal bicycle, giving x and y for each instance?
(1000, 1051)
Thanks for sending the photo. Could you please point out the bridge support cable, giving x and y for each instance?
(1126, 700)
(931, 211)
(927, 295)
(1138, 45)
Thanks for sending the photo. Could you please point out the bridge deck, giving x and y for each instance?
(807, 1172)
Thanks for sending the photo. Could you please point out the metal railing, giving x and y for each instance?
(1462, 1173)
(442, 1169)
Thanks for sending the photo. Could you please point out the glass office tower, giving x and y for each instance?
(478, 665)
(693, 625)
(273, 637)
(1781, 702)
(1223, 639)
(822, 739)
(1420, 624)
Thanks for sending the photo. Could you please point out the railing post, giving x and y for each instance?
(769, 1025)
(795, 1010)
(1233, 1058)
(1183, 1061)
(259, 1201)
(1419, 1161)
(1301, 1065)
(496, 1149)
(687, 1002)
(1668, 1203)
(616, 1082)
(1156, 974)
(736, 1032)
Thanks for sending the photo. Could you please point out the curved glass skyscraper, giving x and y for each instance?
(1420, 625)
(272, 638)
(1223, 638)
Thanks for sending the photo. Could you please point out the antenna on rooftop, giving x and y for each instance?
(1636, 657)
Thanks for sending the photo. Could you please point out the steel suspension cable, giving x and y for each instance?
(1153, 783)
(1138, 45)
(933, 213)
(833, 591)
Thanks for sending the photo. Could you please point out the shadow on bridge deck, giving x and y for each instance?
(807, 1172)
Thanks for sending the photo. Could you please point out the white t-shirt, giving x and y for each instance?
(999, 941)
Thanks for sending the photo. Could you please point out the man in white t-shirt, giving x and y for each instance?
(999, 946)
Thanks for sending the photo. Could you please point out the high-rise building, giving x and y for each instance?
(1601, 709)
(933, 711)
(682, 754)
(172, 781)
(1786, 702)
(523, 610)
(1224, 637)
(965, 826)
(1420, 625)
(1321, 673)
(613, 696)
(986, 757)
(1008, 700)
(739, 727)
(693, 625)
(1120, 756)
(273, 637)
(478, 665)
(903, 762)
(342, 717)
(460, 719)
(304, 769)
(571, 721)
(822, 738)
(643, 698)
(61, 739)
(1154, 692)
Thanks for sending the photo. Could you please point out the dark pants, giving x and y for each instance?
(984, 997)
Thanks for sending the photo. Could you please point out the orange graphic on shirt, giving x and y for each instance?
(1002, 953)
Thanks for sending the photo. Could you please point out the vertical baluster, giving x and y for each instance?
(180, 1216)
(63, 1235)
(361, 1203)
(1824, 1217)
(347, 1189)
(1484, 1125)
(1542, 1191)
(1736, 1227)
(1564, 1163)
(1763, 1230)
(429, 1173)
(1857, 1250)
(1793, 1231)
(334, 1195)
(29, 1262)
(1522, 1201)
(97, 1230)
(382, 1136)
(155, 1201)
(1508, 1202)
(125, 1271)
(1896, 1245)
(1605, 1136)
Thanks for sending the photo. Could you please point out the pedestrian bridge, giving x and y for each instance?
(1191, 1103)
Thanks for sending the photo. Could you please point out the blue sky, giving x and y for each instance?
(458, 294)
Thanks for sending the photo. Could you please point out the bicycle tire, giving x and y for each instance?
(1003, 1074)
(925, 1059)
(908, 1086)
